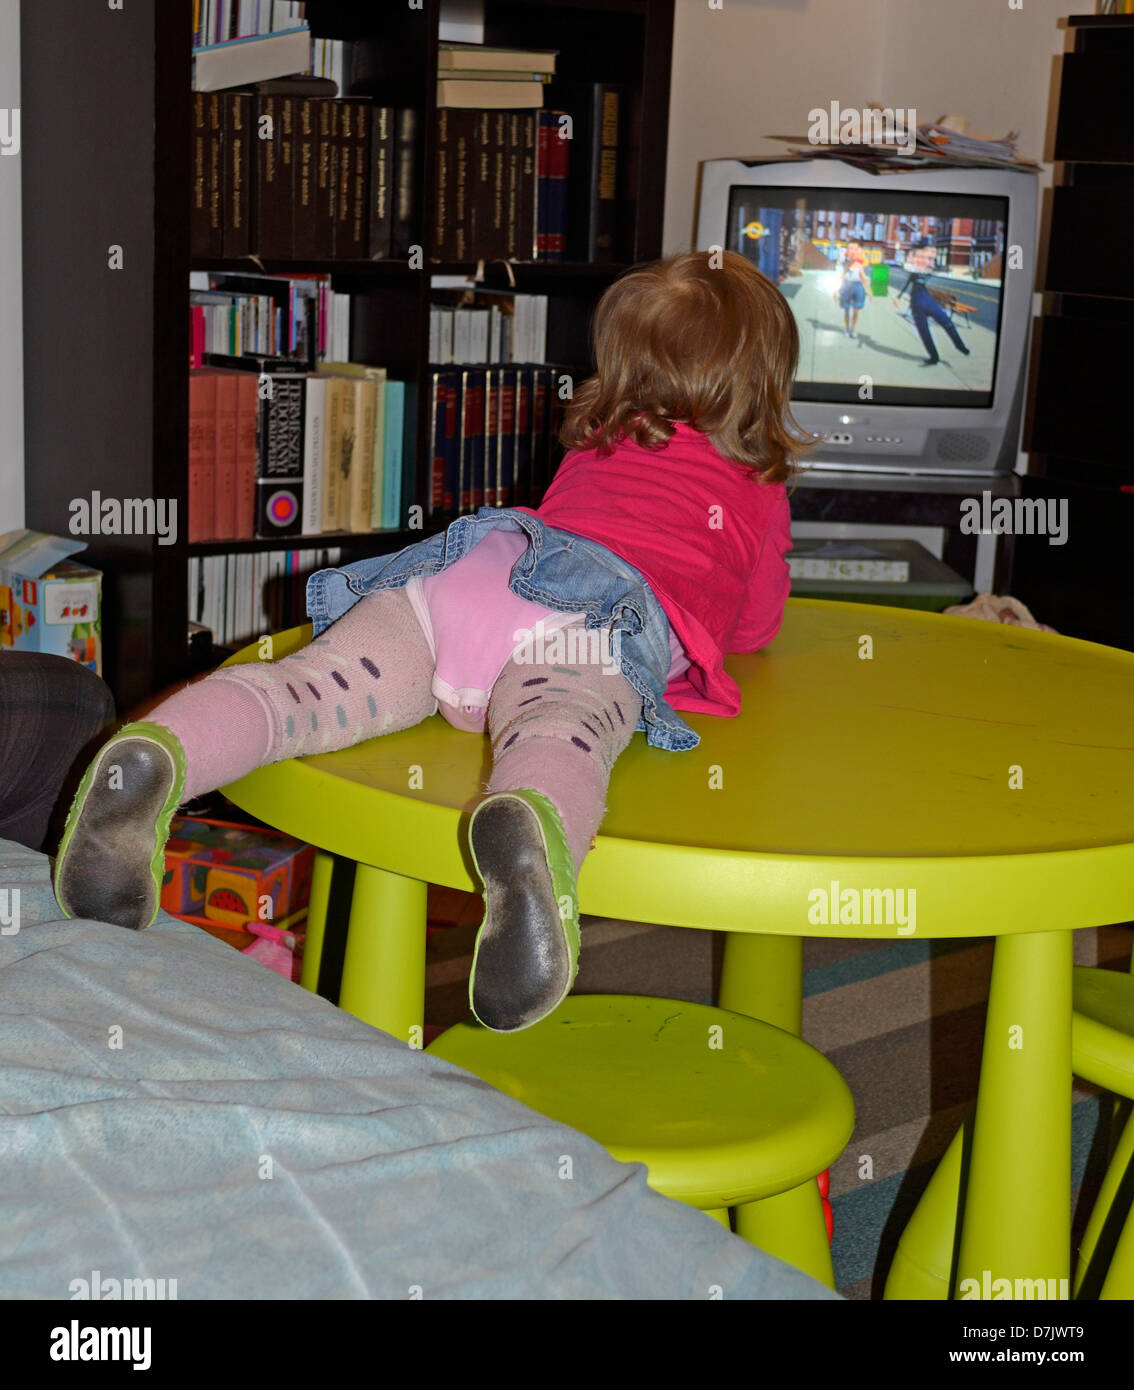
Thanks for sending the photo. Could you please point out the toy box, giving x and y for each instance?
(47, 602)
(229, 875)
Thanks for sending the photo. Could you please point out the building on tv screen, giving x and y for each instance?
(904, 301)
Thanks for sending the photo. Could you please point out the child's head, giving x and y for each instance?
(702, 338)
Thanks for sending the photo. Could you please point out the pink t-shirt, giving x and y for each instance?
(474, 624)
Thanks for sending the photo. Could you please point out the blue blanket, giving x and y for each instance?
(170, 1110)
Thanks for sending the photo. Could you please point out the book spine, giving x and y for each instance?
(496, 245)
(332, 455)
(405, 211)
(452, 440)
(606, 136)
(357, 136)
(381, 212)
(313, 433)
(472, 440)
(438, 406)
(214, 172)
(237, 201)
(541, 385)
(224, 499)
(362, 457)
(279, 484)
(491, 426)
(202, 453)
(506, 438)
(306, 226)
(514, 155)
(393, 460)
(442, 217)
(546, 125)
(347, 453)
(326, 175)
(525, 216)
(199, 196)
(523, 446)
(275, 166)
(560, 155)
(378, 449)
(343, 155)
(247, 453)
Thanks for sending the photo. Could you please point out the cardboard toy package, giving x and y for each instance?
(49, 603)
(230, 875)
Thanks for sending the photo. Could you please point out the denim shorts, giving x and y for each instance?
(562, 571)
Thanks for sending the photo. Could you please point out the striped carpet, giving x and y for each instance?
(902, 1021)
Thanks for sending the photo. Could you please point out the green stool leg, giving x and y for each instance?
(924, 1257)
(762, 976)
(719, 1214)
(317, 919)
(1119, 1282)
(1017, 1215)
(790, 1226)
(1121, 1160)
(384, 966)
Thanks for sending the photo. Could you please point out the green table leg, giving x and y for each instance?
(1121, 1160)
(923, 1261)
(1017, 1217)
(384, 966)
(317, 919)
(762, 976)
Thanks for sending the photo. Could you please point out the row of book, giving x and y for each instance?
(321, 178)
(489, 327)
(215, 21)
(242, 597)
(267, 315)
(471, 74)
(492, 436)
(276, 452)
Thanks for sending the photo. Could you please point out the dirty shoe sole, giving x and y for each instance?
(526, 953)
(112, 857)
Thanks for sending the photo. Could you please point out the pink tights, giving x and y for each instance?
(556, 729)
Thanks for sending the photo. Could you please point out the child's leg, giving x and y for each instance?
(370, 673)
(556, 732)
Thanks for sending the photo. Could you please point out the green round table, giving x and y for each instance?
(894, 774)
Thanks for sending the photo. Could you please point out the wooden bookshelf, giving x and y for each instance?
(106, 118)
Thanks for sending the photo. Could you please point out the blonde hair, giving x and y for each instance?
(702, 338)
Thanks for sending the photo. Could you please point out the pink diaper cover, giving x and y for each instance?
(474, 623)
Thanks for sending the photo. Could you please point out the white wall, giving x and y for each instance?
(11, 308)
(754, 68)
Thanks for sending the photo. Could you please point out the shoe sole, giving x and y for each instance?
(522, 967)
(106, 867)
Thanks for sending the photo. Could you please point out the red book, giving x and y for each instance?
(247, 453)
(202, 453)
(224, 496)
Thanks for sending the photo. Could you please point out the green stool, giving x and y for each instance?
(723, 1110)
(1102, 1052)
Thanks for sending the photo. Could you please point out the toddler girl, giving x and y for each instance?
(658, 549)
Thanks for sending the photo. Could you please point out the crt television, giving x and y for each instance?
(912, 293)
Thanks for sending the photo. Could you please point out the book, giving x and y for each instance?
(275, 183)
(393, 455)
(199, 244)
(595, 108)
(238, 62)
(491, 429)
(308, 241)
(471, 425)
(279, 481)
(202, 453)
(381, 214)
(370, 444)
(247, 453)
(461, 57)
(522, 466)
(332, 488)
(224, 485)
(524, 248)
(496, 95)
(404, 233)
(236, 200)
(326, 175)
(505, 468)
(350, 235)
(313, 434)
(454, 132)
(214, 171)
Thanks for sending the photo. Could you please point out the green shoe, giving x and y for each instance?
(527, 948)
(111, 860)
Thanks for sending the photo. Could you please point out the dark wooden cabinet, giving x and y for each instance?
(106, 107)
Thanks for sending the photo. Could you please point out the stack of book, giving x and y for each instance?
(492, 436)
(296, 317)
(469, 74)
(240, 597)
(278, 452)
(324, 179)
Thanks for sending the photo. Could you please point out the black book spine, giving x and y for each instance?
(306, 179)
(440, 245)
(237, 174)
(525, 216)
(275, 165)
(606, 157)
(199, 190)
(497, 239)
(214, 171)
(356, 137)
(405, 209)
(480, 186)
(279, 482)
(326, 178)
(381, 212)
(513, 155)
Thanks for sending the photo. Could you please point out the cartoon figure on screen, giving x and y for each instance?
(852, 291)
(923, 306)
(559, 631)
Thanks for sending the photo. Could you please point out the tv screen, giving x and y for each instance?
(897, 295)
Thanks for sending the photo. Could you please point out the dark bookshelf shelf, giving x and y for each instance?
(530, 270)
(332, 540)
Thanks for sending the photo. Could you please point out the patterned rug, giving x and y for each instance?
(902, 1021)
